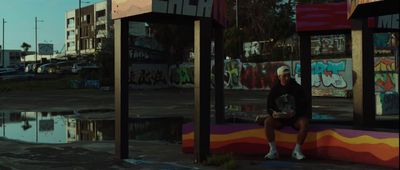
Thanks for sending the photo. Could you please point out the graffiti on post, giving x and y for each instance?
(327, 73)
(232, 74)
(385, 75)
(386, 86)
(182, 75)
(148, 75)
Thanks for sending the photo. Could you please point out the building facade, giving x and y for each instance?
(11, 58)
(87, 34)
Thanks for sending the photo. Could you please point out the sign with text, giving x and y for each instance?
(46, 49)
(194, 8)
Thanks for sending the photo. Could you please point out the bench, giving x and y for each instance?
(358, 146)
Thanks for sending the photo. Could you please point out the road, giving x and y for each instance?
(164, 102)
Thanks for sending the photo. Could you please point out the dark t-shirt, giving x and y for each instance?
(287, 99)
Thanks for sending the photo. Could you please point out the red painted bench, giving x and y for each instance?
(369, 147)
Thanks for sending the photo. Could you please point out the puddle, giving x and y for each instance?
(66, 127)
(247, 113)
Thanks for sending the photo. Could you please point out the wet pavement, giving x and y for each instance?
(153, 102)
(144, 155)
(74, 129)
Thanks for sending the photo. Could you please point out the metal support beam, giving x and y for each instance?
(219, 75)
(202, 63)
(121, 88)
(305, 63)
(363, 66)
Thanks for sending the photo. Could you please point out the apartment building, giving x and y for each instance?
(87, 34)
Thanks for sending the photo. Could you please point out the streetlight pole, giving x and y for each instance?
(237, 15)
(80, 29)
(2, 54)
(36, 45)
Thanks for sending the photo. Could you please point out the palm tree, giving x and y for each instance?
(25, 46)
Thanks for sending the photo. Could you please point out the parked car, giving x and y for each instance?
(7, 71)
(64, 67)
(29, 68)
(47, 68)
(79, 66)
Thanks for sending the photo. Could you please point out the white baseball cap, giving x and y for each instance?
(283, 70)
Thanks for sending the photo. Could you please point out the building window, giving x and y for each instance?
(70, 23)
(101, 13)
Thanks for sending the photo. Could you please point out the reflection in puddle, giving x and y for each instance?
(66, 127)
(246, 113)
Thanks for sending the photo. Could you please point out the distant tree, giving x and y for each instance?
(259, 20)
(25, 48)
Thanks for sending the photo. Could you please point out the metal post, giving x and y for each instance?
(305, 65)
(80, 29)
(121, 88)
(363, 66)
(37, 127)
(237, 15)
(219, 76)
(3, 48)
(4, 125)
(36, 41)
(202, 46)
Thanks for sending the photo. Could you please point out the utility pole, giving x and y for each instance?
(2, 54)
(80, 29)
(36, 33)
(237, 15)
(36, 45)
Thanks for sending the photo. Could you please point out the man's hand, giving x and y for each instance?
(286, 115)
(276, 115)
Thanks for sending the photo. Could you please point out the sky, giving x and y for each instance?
(20, 17)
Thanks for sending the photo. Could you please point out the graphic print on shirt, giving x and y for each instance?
(286, 103)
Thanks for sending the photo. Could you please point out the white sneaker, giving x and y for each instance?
(272, 155)
(298, 155)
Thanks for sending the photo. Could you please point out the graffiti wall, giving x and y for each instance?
(328, 44)
(330, 77)
(260, 76)
(148, 76)
(386, 86)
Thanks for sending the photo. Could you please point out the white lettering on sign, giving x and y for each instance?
(200, 8)
(175, 6)
(188, 9)
(389, 21)
(204, 8)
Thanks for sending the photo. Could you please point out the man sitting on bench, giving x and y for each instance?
(286, 107)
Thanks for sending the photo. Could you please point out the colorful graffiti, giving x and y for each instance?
(386, 86)
(331, 76)
(328, 44)
(182, 75)
(385, 74)
(260, 76)
(377, 148)
(232, 74)
(328, 73)
(148, 75)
